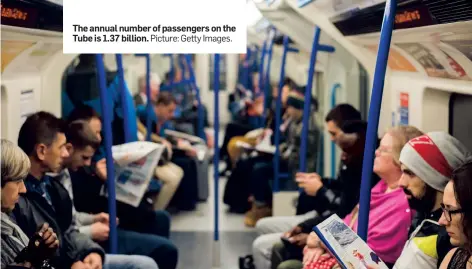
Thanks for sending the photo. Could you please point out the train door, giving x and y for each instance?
(460, 118)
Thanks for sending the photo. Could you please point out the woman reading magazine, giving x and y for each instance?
(389, 216)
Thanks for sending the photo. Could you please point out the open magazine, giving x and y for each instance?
(135, 165)
(346, 246)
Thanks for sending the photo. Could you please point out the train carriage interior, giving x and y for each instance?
(329, 47)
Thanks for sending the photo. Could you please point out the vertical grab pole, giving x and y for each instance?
(216, 89)
(333, 145)
(269, 61)
(309, 85)
(108, 138)
(306, 106)
(278, 108)
(124, 101)
(261, 78)
(246, 74)
(374, 114)
(149, 110)
(188, 59)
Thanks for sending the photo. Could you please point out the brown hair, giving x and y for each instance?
(165, 98)
(401, 135)
(462, 179)
(80, 135)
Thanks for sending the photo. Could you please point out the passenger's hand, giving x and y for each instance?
(94, 260)
(103, 218)
(299, 239)
(100, 231)
(191, 153)
(49, 236)
(101, 169)
(310, 183)
(294, 231)
(80, 265)
(168, 146)
(311, 255)
(313, 240)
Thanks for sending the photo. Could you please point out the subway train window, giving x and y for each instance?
(460, 118)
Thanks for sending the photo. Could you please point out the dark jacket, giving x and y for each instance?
(33, 210)
(340, 195)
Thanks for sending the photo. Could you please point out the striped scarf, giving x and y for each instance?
(14, 240)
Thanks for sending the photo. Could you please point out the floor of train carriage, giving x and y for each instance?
(192, 232)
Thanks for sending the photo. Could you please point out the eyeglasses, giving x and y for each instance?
(448, 213)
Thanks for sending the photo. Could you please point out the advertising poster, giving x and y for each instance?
(396, 61)
(436, 62)
(403, 110)
(464, 46)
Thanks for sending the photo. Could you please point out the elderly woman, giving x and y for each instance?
(390, 215)
(457, 218)
(17, 250)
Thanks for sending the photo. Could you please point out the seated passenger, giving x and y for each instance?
(234, 151)
(262, 173)
(81, 145)
(169, 174)
(270, 229)
(337, 196)
(18, 251)
(456, 218)
(42, 138)
(141, 98)
(390, 215)
(88, 181)
(186, 195)
(427, 164)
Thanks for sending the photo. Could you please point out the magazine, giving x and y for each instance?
(346, 246)
(135, 165)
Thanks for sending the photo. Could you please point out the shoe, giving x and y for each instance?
(255, 214)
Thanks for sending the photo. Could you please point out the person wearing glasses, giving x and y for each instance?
(427, 164)
(456, 218)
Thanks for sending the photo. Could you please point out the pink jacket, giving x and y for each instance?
(390, 218)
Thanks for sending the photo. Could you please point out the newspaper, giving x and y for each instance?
(346, 246)
(135, 165)
(199, 144)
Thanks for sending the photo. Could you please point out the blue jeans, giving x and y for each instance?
(159, 248)
(113, 261)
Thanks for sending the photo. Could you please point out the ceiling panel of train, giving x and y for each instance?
(445, 50)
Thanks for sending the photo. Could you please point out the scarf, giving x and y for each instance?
(14, 240)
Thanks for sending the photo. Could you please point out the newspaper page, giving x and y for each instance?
(346, 246)
(135, 165)
(200, 147)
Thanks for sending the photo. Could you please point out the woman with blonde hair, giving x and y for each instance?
(390, 215)
(18, 251)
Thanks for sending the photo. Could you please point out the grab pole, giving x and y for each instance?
(278, 116)
(216, 89)
(149, 110)
(108, 139)
(309, 85)
(193, 83)
(124, 100)
(374, 115)
(333, 145)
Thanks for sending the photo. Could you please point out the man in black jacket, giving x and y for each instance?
(42, 139)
